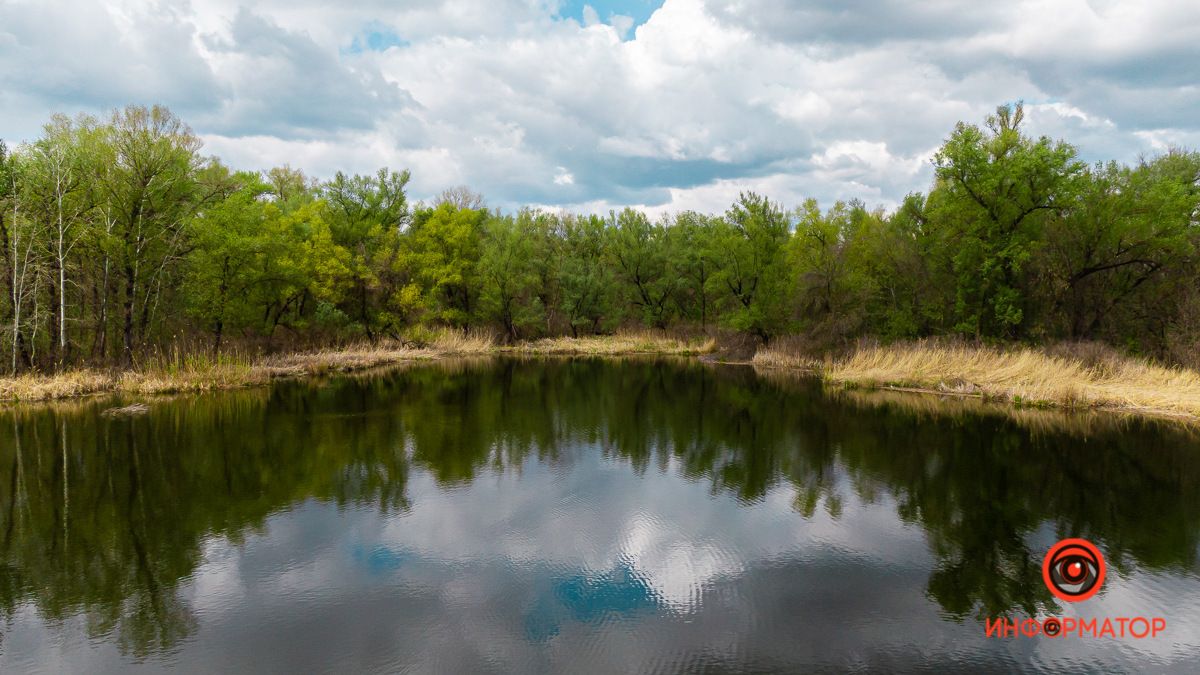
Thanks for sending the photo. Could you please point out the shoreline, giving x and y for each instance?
(202, 373)
(1020, 378)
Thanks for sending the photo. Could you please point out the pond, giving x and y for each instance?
(581, 515)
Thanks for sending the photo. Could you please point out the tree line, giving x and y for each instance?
(119, 238)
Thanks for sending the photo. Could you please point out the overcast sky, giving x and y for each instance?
(669, 104)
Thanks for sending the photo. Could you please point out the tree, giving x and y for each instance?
(692, 257)
(18, 234)
(62, 163)
(255, 264)
(995, 193)
(153, 188)
(461, 197)
(442, 247)
(367, 216)
(898, 254)
(643, 264)
(749, 246)
(1132, 230)
(290, 187)
(833, 268)
(508, 275)
(587, 283)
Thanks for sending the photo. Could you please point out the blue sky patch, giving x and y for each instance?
(639, 10)
(375, 38)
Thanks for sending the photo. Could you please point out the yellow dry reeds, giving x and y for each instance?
(178, 371)
(36, 387)
(464, 342)
(780, 358)
(343, 359)
(616, 345)
(1023, 376)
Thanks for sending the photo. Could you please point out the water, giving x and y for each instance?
(581, 516)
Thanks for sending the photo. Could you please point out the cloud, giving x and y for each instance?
(669, 105)
(284, 84)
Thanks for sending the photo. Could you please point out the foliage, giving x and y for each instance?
(119, 240)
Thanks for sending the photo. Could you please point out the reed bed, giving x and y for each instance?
(179, 370)
(343, 360)
(38, 387)
(1024, 376)
(617, 345)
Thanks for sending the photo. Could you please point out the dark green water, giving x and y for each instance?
(580, 516)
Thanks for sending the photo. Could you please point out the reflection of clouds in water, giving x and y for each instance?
(790, 595)
(637, 559)
(672, 530)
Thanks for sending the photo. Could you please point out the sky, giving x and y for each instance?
(665, 105)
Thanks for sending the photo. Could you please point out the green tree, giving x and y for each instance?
(154, 188)
(587, 282)
(366, 216)
(643, 264)
(508, 273)
(832, 264)
(693, 259)
(61, 165)
(995, 192)
(442, 248)
(897, 252)
(1123, 247)
(749, 246)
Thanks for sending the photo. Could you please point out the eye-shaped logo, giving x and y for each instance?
(1073, 570)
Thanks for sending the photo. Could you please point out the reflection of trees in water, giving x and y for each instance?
(107, 516)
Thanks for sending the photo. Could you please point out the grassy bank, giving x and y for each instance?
(175, 373)
(1073, 379)
(617, 345)
(198, 373)
(1023, 376)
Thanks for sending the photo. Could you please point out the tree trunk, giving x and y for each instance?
(127, 329)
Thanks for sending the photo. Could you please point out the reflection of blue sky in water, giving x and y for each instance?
(382, 560)
(576, 559)
(589, 598)
(618, 594)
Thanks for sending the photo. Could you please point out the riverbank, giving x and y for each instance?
(178, 373)
(1024, 377)
(1019, 376)
(622, 344)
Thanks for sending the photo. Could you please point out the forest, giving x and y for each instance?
(121, 238)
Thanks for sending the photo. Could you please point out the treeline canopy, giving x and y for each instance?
(119, 237)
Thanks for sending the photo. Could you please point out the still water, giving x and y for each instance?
(581, 516)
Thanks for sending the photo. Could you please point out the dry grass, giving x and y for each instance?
(1080, 423)
(175, 373)
(35, 387)
(785, 352)
(617, 345)
(342, 360)
(464, 342)
(1024, 376)
(178, 371)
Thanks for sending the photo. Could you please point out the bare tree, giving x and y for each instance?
(461, 197)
